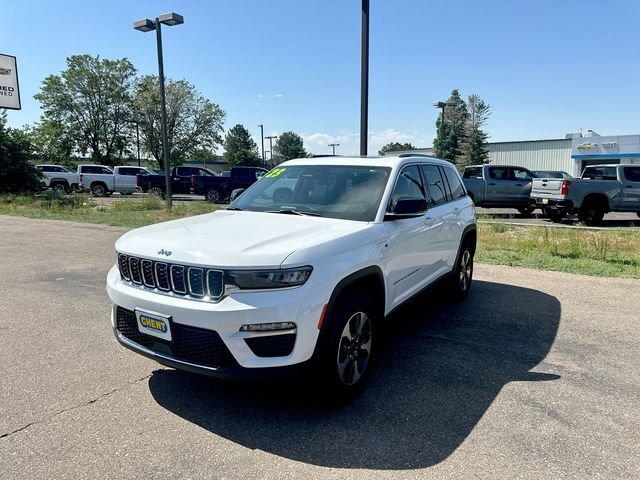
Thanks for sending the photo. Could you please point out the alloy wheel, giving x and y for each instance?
(354, 348)
(466, 270)
(213, 196)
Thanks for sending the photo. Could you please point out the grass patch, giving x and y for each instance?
(608, 253)
(82, 208)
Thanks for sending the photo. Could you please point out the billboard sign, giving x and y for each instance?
(9, 91)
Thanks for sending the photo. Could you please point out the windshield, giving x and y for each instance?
(334, 191)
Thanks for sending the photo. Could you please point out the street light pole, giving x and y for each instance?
(146, 25)
(364, 79)
(333, 146)
(264, 159)
(163, 102)
(271, 138)
(138, 141)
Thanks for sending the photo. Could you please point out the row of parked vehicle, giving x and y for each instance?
(103, 181)
(601, 189)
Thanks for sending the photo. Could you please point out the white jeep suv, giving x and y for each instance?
(298, 270)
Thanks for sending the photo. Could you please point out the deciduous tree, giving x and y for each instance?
(17, 174)
(395, 147)
(288, 145)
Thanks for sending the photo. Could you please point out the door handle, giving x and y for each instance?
(518, 184)
(491, 184)
(628, 186)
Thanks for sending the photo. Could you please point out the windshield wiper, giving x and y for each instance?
(233, 208)
(294, 212)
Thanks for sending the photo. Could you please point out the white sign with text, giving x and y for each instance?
(9, 91)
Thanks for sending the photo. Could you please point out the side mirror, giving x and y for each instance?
(236, 193)
(407, 208)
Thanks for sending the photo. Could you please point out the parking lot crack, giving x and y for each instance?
(75, 407)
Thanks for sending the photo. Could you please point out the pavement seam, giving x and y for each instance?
(75, 407)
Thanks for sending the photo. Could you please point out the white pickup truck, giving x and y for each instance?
(601, 189)
(102, 181)
(59, 177)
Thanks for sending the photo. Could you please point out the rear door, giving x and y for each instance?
(631, 188)
(125, 179)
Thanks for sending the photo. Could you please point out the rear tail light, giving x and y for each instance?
(564, 190)
(193, 181)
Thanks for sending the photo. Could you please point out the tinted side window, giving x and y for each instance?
(473, 172)
(610, 173)
(184, 171)
(457, 190)
(600, 173)
(127, 171)
(435, 184)
(632, 174)
(45, 169)
(521, 174)
(500, 173)
(409, 185)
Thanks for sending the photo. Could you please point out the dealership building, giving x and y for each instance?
(570, 154)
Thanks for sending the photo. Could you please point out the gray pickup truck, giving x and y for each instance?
(601, 189)
(499, 186)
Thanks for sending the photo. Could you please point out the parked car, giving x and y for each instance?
(552, 174)
(181, 180)
(102, 181)
(499, 186)
(265, 286)
(218, 189)
(601, 189)
(59, 177)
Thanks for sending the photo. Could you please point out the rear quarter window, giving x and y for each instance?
(457, 190)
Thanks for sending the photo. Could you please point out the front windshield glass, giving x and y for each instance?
(334, 191)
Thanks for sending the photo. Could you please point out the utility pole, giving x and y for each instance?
(264, 158)
(271, 138)
(364, 79)
(138, 141)
(334, 145)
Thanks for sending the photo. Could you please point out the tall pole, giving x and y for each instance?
(364, 79)
(138, 141)
(165, 143)
(264, 159)
(270, 138)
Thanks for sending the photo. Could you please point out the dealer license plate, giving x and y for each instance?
(155, 324)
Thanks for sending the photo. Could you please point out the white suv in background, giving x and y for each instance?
(300, 269)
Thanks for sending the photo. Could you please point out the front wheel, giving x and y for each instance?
(345, 357)
(156, 192)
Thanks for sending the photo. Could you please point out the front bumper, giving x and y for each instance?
(301, 305)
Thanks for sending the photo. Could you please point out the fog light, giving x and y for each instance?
(266, 327)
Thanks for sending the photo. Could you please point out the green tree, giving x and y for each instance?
(395, 147)
(193, 122)
(51, 142)
(240, 149)
(474, 145)
(17, 174)
(288, 145)
(450, 133)
(91, 100)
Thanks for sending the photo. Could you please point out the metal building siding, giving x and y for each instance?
(552, 154)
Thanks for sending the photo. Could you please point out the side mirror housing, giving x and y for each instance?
(407, 208)
(236, 193)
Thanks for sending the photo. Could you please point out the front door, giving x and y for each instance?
(521, 185)
(631, 188)
(500, 186)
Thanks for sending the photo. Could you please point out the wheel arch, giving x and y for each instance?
(469, 234)
(597, 198)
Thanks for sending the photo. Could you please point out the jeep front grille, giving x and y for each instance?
(191, 282)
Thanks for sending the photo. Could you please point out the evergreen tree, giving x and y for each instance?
(395, 147)
(288, 145)
(240, 149)
(474, 146)
(450, 133)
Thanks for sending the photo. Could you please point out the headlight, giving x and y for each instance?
(257, 279)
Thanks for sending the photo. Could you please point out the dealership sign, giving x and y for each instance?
(9, 91)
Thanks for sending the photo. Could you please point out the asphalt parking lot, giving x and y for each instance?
(536, 375)
(511, 215)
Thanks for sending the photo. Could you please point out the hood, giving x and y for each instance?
(233, 239)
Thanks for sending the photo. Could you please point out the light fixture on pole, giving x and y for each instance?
(334, 145)
(170, 19)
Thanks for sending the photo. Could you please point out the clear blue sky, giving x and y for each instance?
(547, 67)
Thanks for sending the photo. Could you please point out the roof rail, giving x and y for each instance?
(403, 155)
(313, 155)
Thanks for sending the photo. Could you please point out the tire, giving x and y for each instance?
(99, 190)
(638, 214)
(526, 211)
(344, 359)
(555, 216)
(156, 192)
(213, 195)
(462, 274)
(61, 187)
(591, 213)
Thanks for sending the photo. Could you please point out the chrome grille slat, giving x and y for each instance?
(197, 283)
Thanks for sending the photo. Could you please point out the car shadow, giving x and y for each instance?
(438, 369)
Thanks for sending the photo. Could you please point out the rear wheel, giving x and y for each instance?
(346, 353)
(526, 211)
(60, 187)
(462, 274)
(156, 192)
(99, 190)
(591, 213)
(213, 195)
